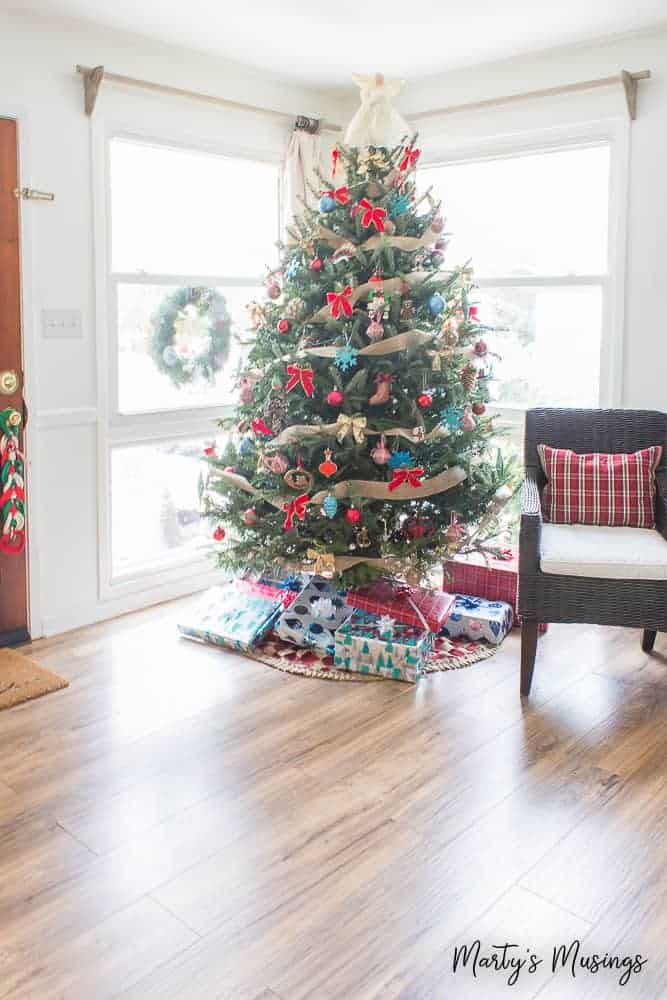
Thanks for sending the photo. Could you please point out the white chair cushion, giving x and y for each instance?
(603, 552)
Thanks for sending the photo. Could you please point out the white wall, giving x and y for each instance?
(645, 344)
(39, 86)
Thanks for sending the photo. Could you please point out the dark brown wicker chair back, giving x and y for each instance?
(592, 430)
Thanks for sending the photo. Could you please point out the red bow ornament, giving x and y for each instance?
(372, 216)
(259, 427)
(410, 157)
(300, 376)
(409, 476)
(341, 195)
(340, 301)
(297, 508)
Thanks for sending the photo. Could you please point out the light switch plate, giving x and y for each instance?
(58, 323)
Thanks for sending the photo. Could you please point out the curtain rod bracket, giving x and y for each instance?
(630, 84)
(92, 80)
(305, 124)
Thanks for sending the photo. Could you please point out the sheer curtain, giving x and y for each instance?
(306, 155)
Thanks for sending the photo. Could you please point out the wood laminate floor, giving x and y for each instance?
(182, 822)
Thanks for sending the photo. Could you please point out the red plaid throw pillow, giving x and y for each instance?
(612, 490)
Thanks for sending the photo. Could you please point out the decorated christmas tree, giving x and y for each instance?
(362, 443)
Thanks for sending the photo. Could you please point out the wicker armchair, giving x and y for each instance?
(598, 600)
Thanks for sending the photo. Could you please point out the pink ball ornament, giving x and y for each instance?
(335, 398)
(230, 468)
(438, 224)
(273, 290)
(437, 258)
(478, 409)
(246, 391)
(440, 244)
(480, 348)
(380, 453)
(250, 517)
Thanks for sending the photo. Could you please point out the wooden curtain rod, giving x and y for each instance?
(629, 81)
(93, 76)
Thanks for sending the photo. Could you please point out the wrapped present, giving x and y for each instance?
(312, 619)
(426, 609)
(494, 579)
(377, 644)
(231, 615)
(476, 618)
(267, 588)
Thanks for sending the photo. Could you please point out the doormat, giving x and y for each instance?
(447, 654)
(22, 679)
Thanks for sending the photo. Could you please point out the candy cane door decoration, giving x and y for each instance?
(13, 570)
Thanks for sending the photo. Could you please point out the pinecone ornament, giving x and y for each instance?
(468, 377)
(296, 308)
(275, 412)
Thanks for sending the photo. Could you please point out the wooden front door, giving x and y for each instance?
(13, 564)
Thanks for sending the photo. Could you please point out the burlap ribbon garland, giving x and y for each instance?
(327, 564)
(408, 243)
(302, 432)
(364, 488)
(401, 342)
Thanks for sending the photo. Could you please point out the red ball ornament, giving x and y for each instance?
(478, 409)
(424, 400)
(335, 398)
(480, 348)
(250, 517)
(316, 264)
(353, 515)
(219, 533)
(282, 326)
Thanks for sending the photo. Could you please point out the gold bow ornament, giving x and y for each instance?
(354, 425)
(325, 562)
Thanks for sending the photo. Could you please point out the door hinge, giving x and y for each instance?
(32, 194)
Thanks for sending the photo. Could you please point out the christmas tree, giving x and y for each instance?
(362, 445)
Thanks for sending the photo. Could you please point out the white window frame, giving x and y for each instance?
(616, 134)
(158, 425)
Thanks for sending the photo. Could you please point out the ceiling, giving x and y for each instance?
(322, 44)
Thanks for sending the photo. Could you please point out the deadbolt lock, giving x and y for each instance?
(9, 382)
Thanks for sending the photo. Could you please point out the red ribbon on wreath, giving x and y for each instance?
(409, 476)
(373, 216)
(300, 376)
(297, 508)
(341, 195)
(410, 157)
(338, 301)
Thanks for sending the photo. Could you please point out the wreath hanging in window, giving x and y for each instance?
(191, 335)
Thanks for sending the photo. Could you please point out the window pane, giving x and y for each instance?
(538, 214)
(142, 386)
(550, 353)
(181, 211)
(155, 505)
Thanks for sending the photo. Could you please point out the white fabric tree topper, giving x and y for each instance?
(377, 122)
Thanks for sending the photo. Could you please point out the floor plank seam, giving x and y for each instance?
(176, 916)
(73, 836)
(551, 902)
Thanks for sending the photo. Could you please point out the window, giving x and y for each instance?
(181, 222)
(535, 227)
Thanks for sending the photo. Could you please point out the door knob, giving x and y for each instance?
(9, 382)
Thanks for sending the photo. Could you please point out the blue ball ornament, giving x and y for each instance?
(327, 203)
(330, 505)
(246, 446)
(169, 356)
(436, 304)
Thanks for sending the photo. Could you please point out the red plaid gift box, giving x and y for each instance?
(408, 605)
(494, 579)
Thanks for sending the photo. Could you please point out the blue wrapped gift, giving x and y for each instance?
(231, 616)
(314, 616)
(476, 618)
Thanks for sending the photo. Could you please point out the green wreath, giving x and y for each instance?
(191, 335)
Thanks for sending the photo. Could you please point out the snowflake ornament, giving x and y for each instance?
(346, 357)
(386, 626)
(451, 417)
(400, 460)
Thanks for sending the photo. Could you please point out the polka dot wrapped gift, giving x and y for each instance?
(314, 616)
